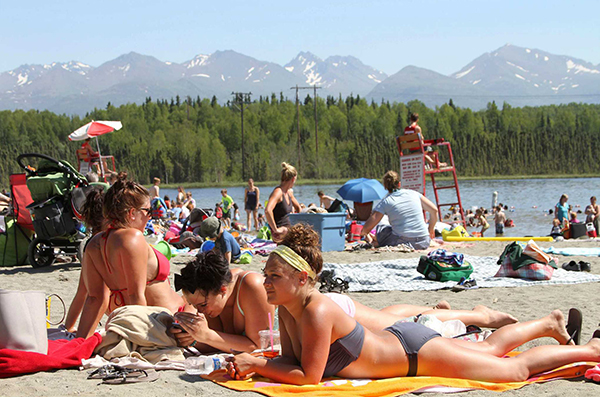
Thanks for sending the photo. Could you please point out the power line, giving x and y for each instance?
(315, 88)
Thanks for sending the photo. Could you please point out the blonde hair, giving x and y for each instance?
(288, 172)
(391, 181)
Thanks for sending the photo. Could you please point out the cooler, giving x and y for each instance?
(331, 228)
(578, 230)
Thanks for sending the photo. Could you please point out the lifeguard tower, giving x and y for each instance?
(418, 159)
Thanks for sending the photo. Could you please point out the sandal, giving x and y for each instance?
(331, 284)
(574, 323)
(115, 374)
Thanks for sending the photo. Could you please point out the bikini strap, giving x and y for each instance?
(105, 238)
(237, 298)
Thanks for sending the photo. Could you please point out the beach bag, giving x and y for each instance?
(23, 321)
(441, 271)
(516, 264)
(264, 233)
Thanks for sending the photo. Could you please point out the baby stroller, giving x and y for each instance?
(58, 192)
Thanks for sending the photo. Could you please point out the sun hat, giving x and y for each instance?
(210, 227)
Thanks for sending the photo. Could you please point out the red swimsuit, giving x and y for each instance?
(164, 268)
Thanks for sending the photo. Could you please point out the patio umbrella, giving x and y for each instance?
(93, 129)
(362, 190)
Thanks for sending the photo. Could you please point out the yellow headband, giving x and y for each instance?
(294, 260)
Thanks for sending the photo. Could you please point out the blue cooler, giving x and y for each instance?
(331, 228)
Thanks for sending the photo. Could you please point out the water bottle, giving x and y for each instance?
(203, 365)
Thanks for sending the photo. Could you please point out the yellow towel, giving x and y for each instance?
(387, 387)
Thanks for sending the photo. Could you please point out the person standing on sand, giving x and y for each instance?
(251, 200)
(561, 211)
(593, 214)
(154, 189)
(228, 210)
(282, 202)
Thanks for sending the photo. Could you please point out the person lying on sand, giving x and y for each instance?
(319, 340)
(232, 307)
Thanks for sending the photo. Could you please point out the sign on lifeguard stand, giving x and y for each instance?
(84, 167)
(412, 175)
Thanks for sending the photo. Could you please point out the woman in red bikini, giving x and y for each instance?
(122, 269)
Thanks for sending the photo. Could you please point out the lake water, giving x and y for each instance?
(531, 198)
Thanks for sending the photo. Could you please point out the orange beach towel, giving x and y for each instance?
(388, 387)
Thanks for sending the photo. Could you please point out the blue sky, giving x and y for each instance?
(388, 35)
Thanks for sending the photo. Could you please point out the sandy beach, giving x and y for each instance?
(525, 303)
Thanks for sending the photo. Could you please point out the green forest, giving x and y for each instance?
(199, 140)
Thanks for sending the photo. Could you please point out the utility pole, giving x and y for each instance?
(315, 88)
(241, 98)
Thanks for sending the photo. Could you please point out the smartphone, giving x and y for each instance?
(178, 326)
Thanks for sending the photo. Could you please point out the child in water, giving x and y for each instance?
(482, 221)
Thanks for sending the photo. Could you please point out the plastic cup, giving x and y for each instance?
(265, 343)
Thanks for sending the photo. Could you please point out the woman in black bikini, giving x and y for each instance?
(318, 339)
(251, 200)
(281, 203)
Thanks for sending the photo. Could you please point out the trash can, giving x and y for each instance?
(331, 228)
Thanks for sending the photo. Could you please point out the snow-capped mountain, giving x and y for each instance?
(335, 74)
(226, 71)
(520, 76)
(511, 69)
(517, 75)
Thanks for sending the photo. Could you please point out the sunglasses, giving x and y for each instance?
(148, 211)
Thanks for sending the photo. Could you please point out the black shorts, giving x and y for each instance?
(227, 215)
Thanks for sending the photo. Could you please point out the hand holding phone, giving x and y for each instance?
(178, 326)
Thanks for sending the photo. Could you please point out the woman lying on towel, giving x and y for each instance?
(121, 268)
(319, 340)
(232, 305)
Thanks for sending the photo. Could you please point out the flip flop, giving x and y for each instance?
(574, 323)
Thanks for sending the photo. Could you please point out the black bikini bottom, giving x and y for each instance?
(412, 336)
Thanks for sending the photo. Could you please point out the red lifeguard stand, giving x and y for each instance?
(414, 167)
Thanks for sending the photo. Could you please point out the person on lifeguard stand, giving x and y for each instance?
(413, 128)
(85, 154)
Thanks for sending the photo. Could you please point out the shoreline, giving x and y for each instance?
(302, 182)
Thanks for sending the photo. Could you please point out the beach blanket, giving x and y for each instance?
(574, 251)
(402, 275)
(389, 387)
(61, 354)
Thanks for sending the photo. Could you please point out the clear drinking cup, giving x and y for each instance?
(269, 350)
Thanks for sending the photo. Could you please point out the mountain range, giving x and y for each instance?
(517, 75)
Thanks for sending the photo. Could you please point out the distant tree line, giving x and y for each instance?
(199, 140)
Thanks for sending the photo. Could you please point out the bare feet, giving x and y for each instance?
(495, 319)
(558, 327)
(443, 305)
